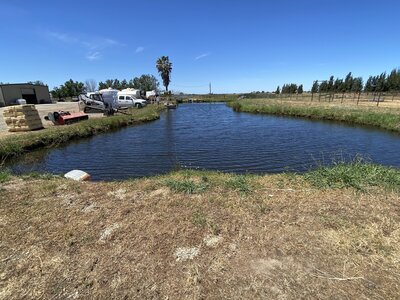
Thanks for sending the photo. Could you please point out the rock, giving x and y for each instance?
(183, 254)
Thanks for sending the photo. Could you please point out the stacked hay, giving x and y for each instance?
(22, 118)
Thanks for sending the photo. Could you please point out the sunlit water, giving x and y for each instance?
(213, 137)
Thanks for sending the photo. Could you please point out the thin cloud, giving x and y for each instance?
(62, 37)
(139, 49)
(100, 43)
(91, 56)
(202, 56)
(93, 45)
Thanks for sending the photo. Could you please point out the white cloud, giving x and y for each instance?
(139, 49)
(202, 56)
(93, 56)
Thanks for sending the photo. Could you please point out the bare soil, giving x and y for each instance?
(281, 239)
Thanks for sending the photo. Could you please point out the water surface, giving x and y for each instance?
(213, 137)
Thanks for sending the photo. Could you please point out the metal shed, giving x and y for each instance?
(32, 93)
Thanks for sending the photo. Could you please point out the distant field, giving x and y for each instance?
(386, 106)
(365, 100)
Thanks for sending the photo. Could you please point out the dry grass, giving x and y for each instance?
(280, 239)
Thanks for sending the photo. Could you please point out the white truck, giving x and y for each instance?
(130, 98)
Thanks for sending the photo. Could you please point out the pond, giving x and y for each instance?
(213, 137)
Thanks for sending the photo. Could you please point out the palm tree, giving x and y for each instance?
(164, 67)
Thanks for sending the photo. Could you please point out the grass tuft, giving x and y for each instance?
(5, 176)
(199, 219)
(37, 175)
(357, 174)
(186, 186)
(239, 183)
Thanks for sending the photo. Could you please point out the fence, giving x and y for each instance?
(353, 98)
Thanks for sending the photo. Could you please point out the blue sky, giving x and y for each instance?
(238, 46)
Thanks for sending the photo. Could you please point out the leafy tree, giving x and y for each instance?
(278, 90)
(102, 85)
(37, 82)
(348, 82)
(357, 85)
(315, 87)
(289, 88)
(338, 86)
(393, 80)
(110, 83)
(324, 87)
(56, 93)
(71, 88)
(300, 89)
(164, 67)
(368, 85)
(146, 83)
(330, 84)
(124, 84)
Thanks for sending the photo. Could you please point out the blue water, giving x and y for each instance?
(213, 137)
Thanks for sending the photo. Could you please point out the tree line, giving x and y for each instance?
(350, 84)
(290, 88)
(73, 88)
(145, 82)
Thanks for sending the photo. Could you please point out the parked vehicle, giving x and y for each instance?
(92, 102)
(130, 101)
(130, 98)
(151, 94)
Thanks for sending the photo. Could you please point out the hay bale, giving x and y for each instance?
(22, 118)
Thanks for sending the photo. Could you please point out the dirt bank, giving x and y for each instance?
(197, 236)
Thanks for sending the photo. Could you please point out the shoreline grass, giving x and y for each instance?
(16, 145)
(352, 115)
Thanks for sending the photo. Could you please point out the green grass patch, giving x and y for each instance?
(358, 175)
(240, 183)
(37, 175)
(187, 186)
(5, 176)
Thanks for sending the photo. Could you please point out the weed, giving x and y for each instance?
(199, 219)
(239, 183)
(4, 176)
(37, 175)
(186, 186)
